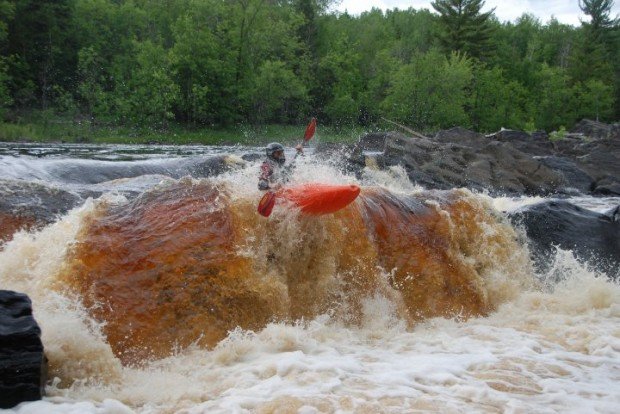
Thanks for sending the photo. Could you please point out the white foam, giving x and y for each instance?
(555, 350)
(544, 352)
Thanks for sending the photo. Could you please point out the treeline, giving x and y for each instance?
(224, 62)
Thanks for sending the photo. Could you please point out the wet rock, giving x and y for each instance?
(96, 173)
(203, 168)
(492, 165)
(592, 237)
(461, 136)
(601, 160)
(596, 129)
(251, 157)
(23, 366)
(28, 205)
(331, 149)
(608, 186)
(574, 176)
(614, 214)
(509, 161)
(372, 142)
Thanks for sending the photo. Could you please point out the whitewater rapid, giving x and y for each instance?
(544, 348)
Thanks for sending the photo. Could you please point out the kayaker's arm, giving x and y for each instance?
(263, 185)
(300, 151)
(265, 174)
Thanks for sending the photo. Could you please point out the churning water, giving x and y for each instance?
(162, 291)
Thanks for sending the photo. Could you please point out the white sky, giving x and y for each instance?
(565, 11)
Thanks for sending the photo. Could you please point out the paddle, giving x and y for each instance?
(268, 201)
(309, 130)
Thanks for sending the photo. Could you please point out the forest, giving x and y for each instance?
(217, 63)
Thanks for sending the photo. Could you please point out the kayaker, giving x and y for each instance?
(273, 172)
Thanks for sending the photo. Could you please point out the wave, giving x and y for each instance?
(184, 299)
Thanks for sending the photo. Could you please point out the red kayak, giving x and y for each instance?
(312, 198)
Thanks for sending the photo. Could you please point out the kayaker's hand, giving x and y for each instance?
(299, 148)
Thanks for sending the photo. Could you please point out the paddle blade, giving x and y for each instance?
(310, 130)
(266, 203)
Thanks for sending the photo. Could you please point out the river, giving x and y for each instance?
(159, 289)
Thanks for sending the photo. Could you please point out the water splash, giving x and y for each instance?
(441, 313)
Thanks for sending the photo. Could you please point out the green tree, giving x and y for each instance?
(595, 100)
(7, 10)
(556, 40)
(204, 66)
(516, 49)
(555, 99)
(410, 31)
(496, 102)
(465, 28)
(41, 41)
(340, 76)
(600, 46)
(90, 90)
(600, 23)
(430, 92)
(149, 95)
(278, 95)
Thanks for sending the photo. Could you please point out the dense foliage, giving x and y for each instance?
(223, 62)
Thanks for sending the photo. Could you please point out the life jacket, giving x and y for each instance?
(271, 173)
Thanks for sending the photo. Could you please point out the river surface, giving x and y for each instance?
(160, 290)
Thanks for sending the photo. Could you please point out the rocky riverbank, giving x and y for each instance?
(586, 160)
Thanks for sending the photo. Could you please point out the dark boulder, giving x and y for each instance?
(336, 149)
(349, 158)
(23, 366)
(574, 176)
(206, 167)
(372, 142)
(492, 165)
(601, 160)
(461, 136)
(592, 237)
(27, 205)
(540, 136)
(596, 129)
(534, 144)
(252, 156)
(505, 162)
(70, 171)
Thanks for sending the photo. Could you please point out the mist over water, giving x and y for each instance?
(178, 297)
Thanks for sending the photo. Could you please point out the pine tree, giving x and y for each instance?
(465, 28)
(600, 22)
(602, 43)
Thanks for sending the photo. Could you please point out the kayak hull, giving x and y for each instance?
(318, 199)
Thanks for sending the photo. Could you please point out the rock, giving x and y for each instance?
(372, 142)
(594, 129)
(28, 205)
(462, 136)
(206, 167)
(514, 166)
(601, 160)
(507, 161)
(251, 157)
(331, 149)
(492, 165)
(512, 135)
(592, 237)
(574, 176)
(23, 366)
(535, 144)
(540, 136)
(614, 214)
(608, 186)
